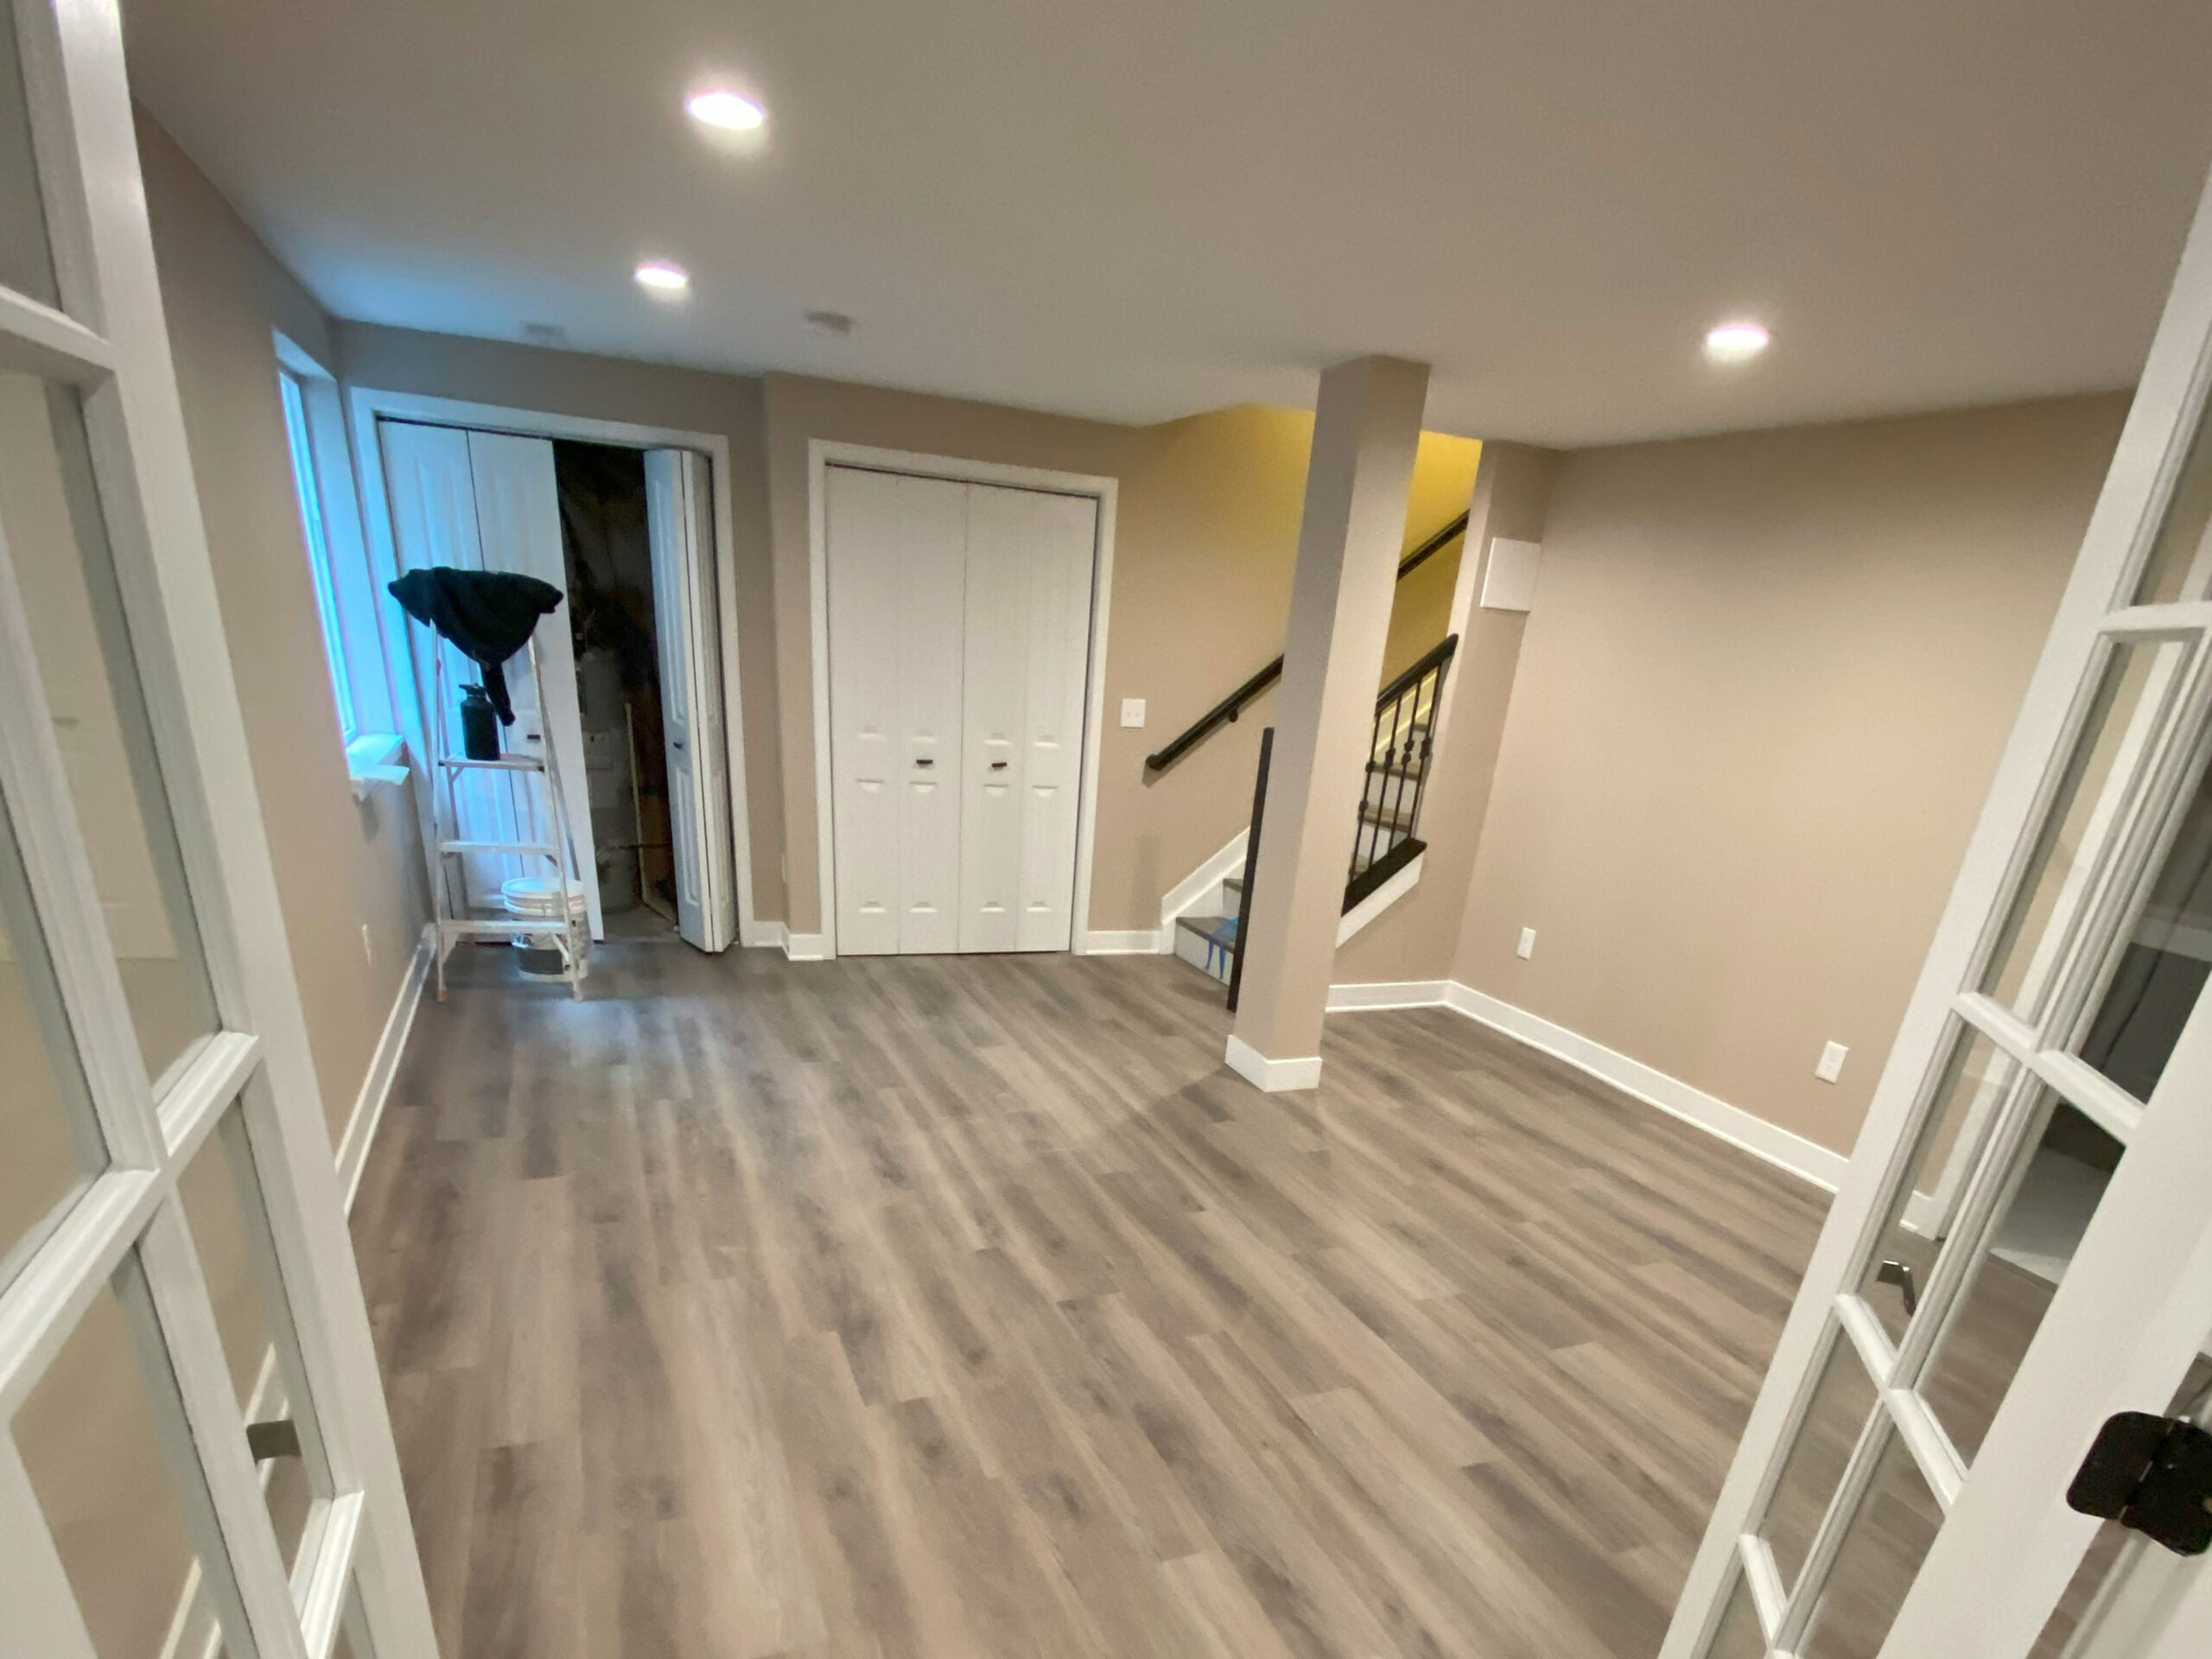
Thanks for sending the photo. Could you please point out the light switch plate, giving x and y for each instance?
(1527, 948)
(1132, 711)
(1831, 1065)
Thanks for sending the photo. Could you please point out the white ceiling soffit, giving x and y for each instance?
(1138, 210)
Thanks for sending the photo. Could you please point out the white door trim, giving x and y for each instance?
(366, 406)
(822, 453)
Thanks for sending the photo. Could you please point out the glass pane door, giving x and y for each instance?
(195, 1458)
(2034, 1161)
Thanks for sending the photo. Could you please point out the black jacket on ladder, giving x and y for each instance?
(489, 615)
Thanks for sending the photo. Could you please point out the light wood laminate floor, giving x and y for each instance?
(970, 1306)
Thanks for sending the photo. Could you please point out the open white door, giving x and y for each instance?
(678, 521)
(2022, 1249)
(518, 518)
(195, 1451)
(490, 501)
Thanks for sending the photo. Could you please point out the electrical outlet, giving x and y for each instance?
(1527, 948)
(368, 946)
(1132, 711)
(1831, 1065)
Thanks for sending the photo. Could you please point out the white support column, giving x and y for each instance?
(1366, 427)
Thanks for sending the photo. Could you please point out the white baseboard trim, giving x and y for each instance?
(1395, 994)
(1137, 942)
(1274, 1075)
(1767, 1141)
(1198, 884)
(384, 1065)
(798, 947)
(1380, 899)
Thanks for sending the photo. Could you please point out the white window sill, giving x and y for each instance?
(375, 758)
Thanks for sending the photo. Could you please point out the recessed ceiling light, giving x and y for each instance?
(662, 278)
(733, 112)
(1735, 342)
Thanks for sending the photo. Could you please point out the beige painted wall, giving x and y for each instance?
(644, 394)
(339, 866)
(1444, 478)
(1206, 536)
(1759, 700)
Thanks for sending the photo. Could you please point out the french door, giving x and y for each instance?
(194, 1455)
(2023, 1245)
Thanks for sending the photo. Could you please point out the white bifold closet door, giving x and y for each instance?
(678, 509)
(959, 651)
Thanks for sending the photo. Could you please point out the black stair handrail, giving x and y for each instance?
(1225, 712)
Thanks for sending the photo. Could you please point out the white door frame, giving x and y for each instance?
(366, 406)
(822, 453)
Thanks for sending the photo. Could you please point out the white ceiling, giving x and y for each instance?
(1135, 209)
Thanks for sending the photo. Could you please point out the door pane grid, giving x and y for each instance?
(215, 1441)
(99, 530)
(2075, 921)
(1875, 1436)
(2081, 833)
(55, 1148)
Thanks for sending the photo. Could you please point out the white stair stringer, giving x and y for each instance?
(1200, 892)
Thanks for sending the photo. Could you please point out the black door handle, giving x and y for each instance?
(998, 765)
(924, 760)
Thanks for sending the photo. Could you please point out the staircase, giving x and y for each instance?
(1384, 843)
(1387, 839)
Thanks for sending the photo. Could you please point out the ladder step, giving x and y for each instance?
(545, 847)
(504, 763)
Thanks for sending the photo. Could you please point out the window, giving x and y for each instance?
(309, 489)
(346, 590)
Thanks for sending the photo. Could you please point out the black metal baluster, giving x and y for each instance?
(1402, 743)
(1251, 866)
(1427, 749)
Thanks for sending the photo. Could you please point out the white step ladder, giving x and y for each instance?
(535, 784)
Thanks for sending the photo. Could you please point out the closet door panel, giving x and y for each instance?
(1063, 535)
(432, 497)
(518, 517)
(928, 592)
(998, 645)
(862, 526)
(896, 550)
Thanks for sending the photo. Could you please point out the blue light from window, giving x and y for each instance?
(326, 592)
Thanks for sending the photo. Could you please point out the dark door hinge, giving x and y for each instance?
(2152, 1474)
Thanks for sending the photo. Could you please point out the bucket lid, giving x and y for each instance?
(539, 895)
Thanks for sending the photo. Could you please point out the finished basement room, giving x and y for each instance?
(850, 830)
